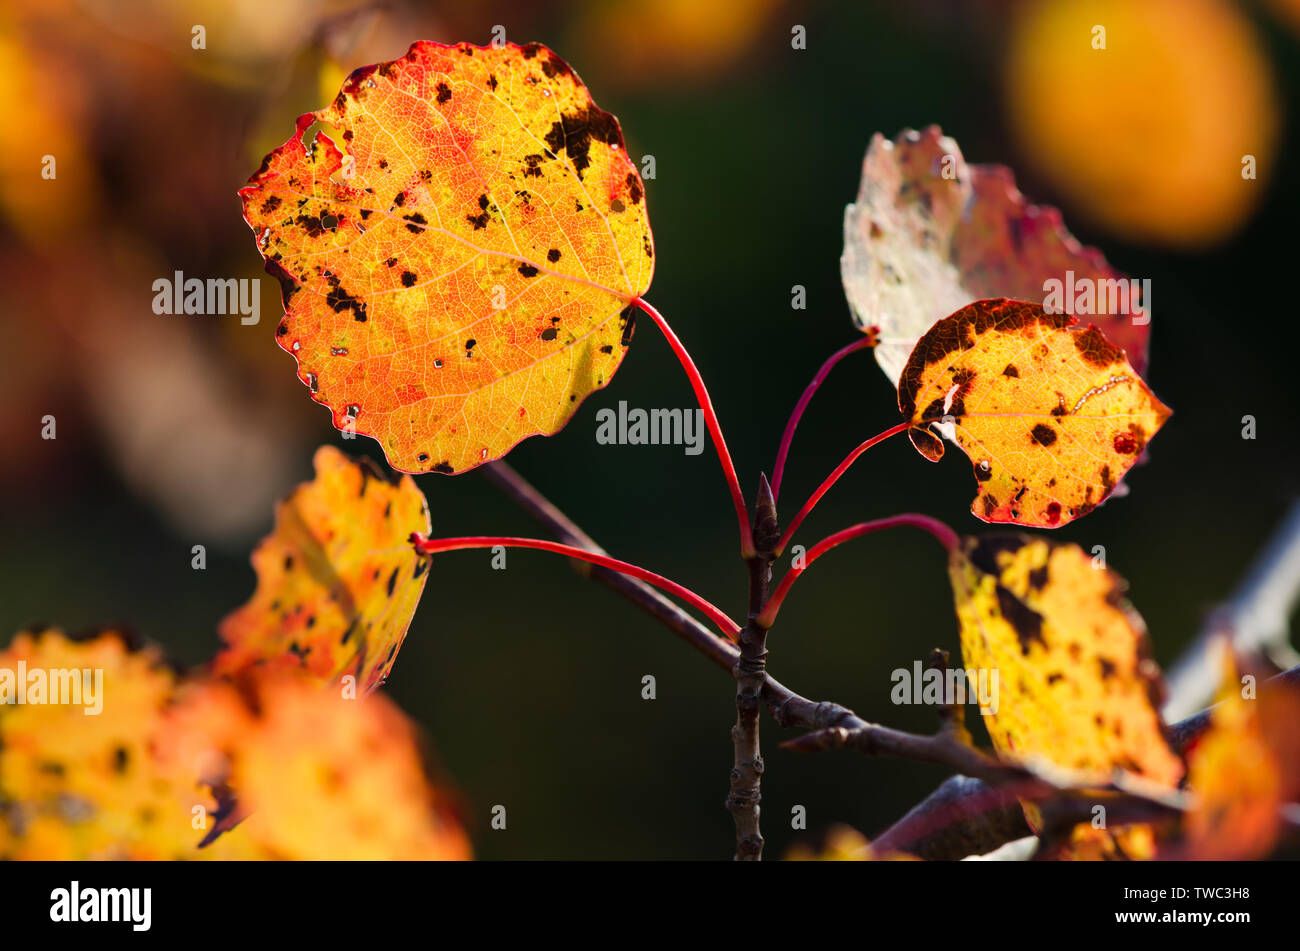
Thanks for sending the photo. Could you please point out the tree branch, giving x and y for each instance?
(747, 767)
(964, 816)
(967, 815)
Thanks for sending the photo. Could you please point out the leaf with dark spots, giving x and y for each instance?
(334, 538)
(575, 132)
(1076, 686)
(340, 300)
(1039, 438)
(1025, 621)
(1042, 434)
(448, 135)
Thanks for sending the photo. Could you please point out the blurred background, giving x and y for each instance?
(179, 431)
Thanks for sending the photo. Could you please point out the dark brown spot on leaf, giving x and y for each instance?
(1043, 434)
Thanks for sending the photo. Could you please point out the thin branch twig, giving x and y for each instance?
(787, 437)
(433, 546)
(834, 477)
(968, 810)
(945, 536)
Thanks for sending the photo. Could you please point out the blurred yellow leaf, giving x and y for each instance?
(843, 844)
(317, 776)
(78, 786)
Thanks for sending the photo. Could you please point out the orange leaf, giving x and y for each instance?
(319, 776)
(1076, 686)
(337, 580)
(1243, 771)
(1051, 416)
(929, 234)
(458, 263)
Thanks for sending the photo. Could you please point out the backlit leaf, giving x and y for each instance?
(315, 775)
(337, 580)
(320, 776)
(1243, 771)
(1050, 415)
(78, 786)
(459, 254)
(928, 234)
(1076, 685)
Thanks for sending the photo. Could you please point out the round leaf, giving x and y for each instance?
(1051, 416)
(458, 254)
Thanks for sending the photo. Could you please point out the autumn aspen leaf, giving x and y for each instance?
(79, 780)
(1051, 415)
(1076, 685)
(930, 233)
(458, 256)
(320, 776)
(337, 580)
(1243, 772)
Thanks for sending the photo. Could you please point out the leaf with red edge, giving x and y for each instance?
(1051, 415)
(337, 580)
(928, 234)
(458, 260)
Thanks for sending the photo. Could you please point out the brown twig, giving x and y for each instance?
(964, 813)
(750, 670)
(967, 815)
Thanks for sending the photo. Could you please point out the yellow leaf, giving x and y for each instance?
(337, 580)
(1076, 685)
(1051, 416)
(317, 776)
(78, 786)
